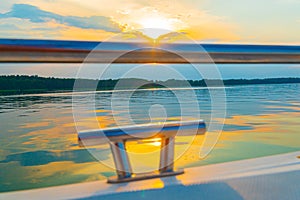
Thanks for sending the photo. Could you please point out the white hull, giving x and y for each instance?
(273, 177)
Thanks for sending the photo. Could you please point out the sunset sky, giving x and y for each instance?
(202, 21)
(231, 21)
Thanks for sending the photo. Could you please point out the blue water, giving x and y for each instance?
(39, 146)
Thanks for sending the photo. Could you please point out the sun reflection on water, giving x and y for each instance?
(41, 149)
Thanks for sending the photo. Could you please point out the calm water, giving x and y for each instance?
(39, 146)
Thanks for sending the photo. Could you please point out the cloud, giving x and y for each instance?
(196, 23)
(36, 15)
(24, 28)
(6, 5)
(8, 26)
(82, 20)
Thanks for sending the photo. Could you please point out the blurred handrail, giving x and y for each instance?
(55, 51)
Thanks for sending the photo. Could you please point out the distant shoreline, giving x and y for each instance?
(22, 84)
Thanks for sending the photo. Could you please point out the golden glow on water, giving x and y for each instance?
(280, 129)
(269, 134)
(35, 125)
(55, 140)
(157, 143)
(144, 146)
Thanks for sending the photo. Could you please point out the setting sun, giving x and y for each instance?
(156, 26)
(157, 22)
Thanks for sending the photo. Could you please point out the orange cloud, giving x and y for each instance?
(131, 16)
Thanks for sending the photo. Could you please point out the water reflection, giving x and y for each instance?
(39, 144)
(36, 158)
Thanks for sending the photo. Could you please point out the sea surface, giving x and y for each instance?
(39, 145)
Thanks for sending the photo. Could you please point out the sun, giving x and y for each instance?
(157, 22)
(156, 26)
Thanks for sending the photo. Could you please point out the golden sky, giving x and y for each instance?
(232, 21)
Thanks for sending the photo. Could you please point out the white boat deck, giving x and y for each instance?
(273, 177)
